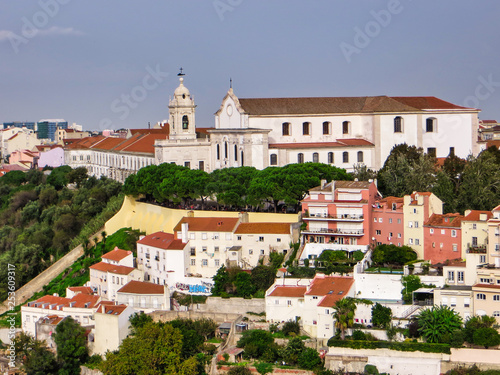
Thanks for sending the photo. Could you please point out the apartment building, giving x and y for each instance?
(475, 231)
(387, 224)
(443, 237)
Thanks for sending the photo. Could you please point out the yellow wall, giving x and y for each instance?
(151, 218)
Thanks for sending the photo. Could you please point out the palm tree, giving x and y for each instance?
(343, 314)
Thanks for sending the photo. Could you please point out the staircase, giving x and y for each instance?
(410, 311)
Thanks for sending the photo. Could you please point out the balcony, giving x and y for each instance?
(147, 256)
(338, 232)
(476, 249)
(330, 217)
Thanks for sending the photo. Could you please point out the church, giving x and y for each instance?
(340, 131)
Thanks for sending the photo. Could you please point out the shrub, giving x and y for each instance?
(371, 369)
(358, 335)
(291, 327)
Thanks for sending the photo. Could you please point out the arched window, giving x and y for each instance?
(315, 157)
(218, 152)
(300, 158)
(242, 160)
(274, 159)
(345, 157)
(326, 128)
(235, 153)
(346, 127)
(306, 128)
(185, 122)
(330, 158)
(398, 124)
(430, 125)
(286, 128)
(225, 150)
(360, 156)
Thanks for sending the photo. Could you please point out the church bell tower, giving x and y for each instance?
(181, 113)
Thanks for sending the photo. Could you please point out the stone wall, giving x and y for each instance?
(166, 316)
(235, 304)
(225, 369)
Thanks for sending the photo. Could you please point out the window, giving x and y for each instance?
(452, 151)
(410, 224)
(453, 233)
(201, 165)
(285, 128)
(204, 249)
(431, 231)
(326, 128)
(390, 234)
(399, 236)
(218, 152)
(289, 303)
(193, 262)
(378, 232)
(398, 124)
(250, 252)
(410, 241)
(451, 276)
(441, 245)
(315, 157)
(474, 226)
(345, 157)
(346, 127)
(379, 219)
(274, 159)
(481, 296)
(460, 276)
(262, 252)
(416, 224)
(466, 302)
(390, 220)
(399, 221)
(453, 301)
(431, 151)
(306, 128)
(496, 297)
(217, 262)
(430, 125)
(187, 164)
(330, 158)
(242, 160)
(203, 236)
(496, 313)
(261, 239)
(444, 301)
(417, 241)
(216, 249)
(454, 247)
(225, 150)
(443, 231)
(185, 122)
(238, 238)
(204, 262)
(278, 239)
(360, 156)
(482, 258)
(374, 219)
(300, 158)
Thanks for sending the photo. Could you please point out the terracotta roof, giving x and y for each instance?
(321, 286)
(81, 289)
(51, 319)
(475, 214)
(14, 136)
(162, 130)
(343, 185)
(80, 300)
(488, 121)
(446, 220)
(322, 105)
(162, 240)
(455, 263)
(111, 309)
(489, 286)
(387, 202)
(208, 224)
(288, 291)
(83, 300)
(111, 268)
(116, 254)
(141, 287)
(495, 143)
(337, 143)
(263, 228)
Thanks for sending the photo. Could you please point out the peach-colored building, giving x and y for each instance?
(475, 232)
(387, 221)
(493, 254)
(339, 212)
(443, 237)
(24, 158)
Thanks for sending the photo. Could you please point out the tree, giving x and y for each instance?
(290, 327)
(155, 349)
(139, 320)
(309, 359)
(71, 344)
(393, 254)
(78, 176)
(292, 351)
(255, 342)
(343, 314)
(410, 284)
(437, 321)
(262, 277)
(486, 336)
(41, 361)
(59, 177)
(244, 286)
(381, 316)
(476, 322)
(221, 281)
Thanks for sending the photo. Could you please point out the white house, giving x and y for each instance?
(107, 278)
(111, 326)
(144, 296)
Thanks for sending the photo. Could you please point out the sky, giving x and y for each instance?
(114, 64)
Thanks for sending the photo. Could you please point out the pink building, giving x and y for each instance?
(387, 222)
(339, 212)
(24, 157)
(443, 237)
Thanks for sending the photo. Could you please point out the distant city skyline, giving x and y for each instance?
(114, 65)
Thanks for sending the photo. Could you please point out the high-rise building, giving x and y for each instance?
(47, 129)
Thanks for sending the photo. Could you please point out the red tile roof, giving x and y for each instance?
(489, 286)
(343, 185)
(142, 287)
(475, 214)
(322, 286)
(263, 228)
(288, 291)
(111, 309)
(111, 268)
(83, 300)
(208, 224)
(326, 105)
(116, 254)
(162, 240)
(81, 289)
(446, 220)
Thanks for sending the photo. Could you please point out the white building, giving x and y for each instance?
(106, 278)
(143, 296)
(112, 326)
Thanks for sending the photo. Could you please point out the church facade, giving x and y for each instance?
(340, 131)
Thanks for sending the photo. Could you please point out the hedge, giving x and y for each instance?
(401, 346)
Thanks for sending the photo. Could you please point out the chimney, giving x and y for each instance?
(184, 232)
(323, 183)
(333, 186)
(243, 217)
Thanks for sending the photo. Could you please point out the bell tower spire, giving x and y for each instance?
(182, 112)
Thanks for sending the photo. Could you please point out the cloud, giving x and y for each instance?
(5, 35)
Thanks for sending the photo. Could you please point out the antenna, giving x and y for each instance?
(230, 83)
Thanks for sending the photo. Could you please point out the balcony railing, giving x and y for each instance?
(346, 232)
(476, 249)
(346, 217)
